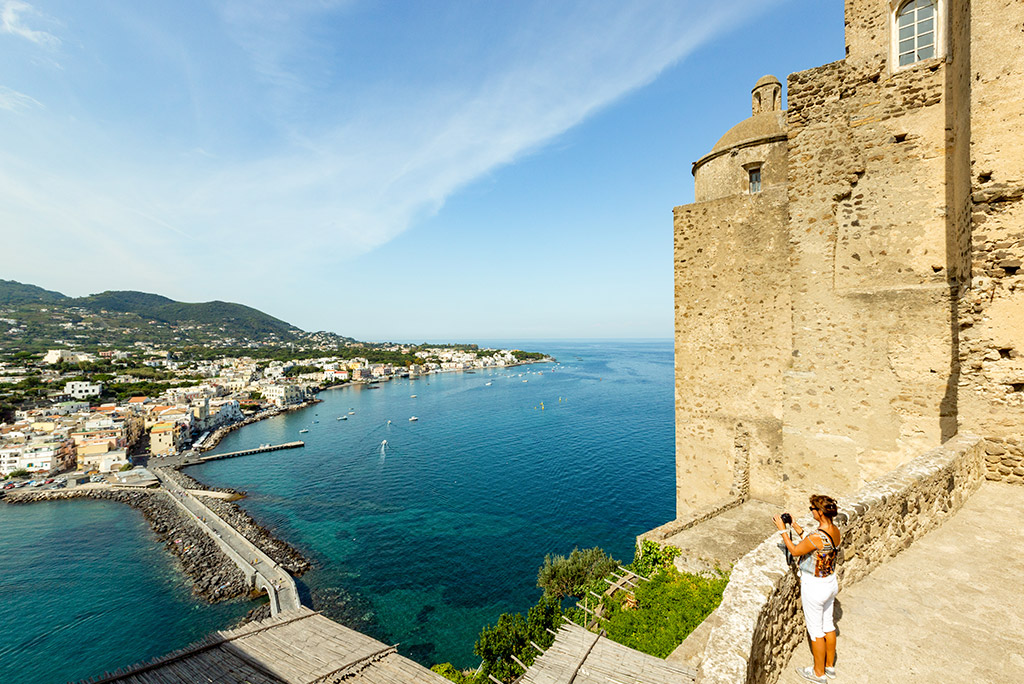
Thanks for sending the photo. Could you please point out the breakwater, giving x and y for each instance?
(282, 553)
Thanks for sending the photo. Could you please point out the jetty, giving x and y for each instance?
(245, 452)
(260, 570)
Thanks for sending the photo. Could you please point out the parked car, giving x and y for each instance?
(48, 480)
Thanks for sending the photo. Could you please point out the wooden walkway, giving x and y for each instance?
(298, 647)
(579, 656)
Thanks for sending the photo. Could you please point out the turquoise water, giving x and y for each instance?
(420, 541)
(85, 587)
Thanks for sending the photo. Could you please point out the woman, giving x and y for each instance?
(818, 584)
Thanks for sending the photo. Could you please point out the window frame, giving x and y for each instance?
(894, 35)
(751, 169)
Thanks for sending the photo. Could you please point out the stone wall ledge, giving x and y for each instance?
(663, 532)
(759, 622)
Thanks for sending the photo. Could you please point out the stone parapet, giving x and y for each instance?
(759, 621)
(1004, 460)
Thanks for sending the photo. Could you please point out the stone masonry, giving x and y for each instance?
(847, 283)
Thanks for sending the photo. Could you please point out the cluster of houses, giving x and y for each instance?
(76, 432)
(75, 435)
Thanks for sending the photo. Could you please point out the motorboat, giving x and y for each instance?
(303, 430)
(413, 419)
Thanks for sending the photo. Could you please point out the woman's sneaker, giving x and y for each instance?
(808, 674)
(830, 672)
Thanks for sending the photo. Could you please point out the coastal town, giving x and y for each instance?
(91, 418)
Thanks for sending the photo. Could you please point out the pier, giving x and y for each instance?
(246, 452)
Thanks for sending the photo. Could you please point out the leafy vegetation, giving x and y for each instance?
(651, 557)
(573, 576)
(655, 619)
(667, 609)
(19, 472)
(527, 356)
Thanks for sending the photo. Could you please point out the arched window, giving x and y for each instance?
(915, 24)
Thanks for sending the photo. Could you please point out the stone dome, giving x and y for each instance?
(761, 127)
(767, 79)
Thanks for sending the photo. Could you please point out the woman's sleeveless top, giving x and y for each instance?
(821, 563)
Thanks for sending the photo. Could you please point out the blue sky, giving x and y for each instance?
(399, 170)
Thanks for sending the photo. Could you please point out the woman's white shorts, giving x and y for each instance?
(818, 595)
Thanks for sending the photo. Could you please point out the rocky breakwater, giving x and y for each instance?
(214, 577)
(283, 553)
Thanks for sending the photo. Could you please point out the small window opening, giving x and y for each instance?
(1017, 386)
(900, 137)
(755, 179)
(984, 177)
(915, 24)
(1011, 270)
(1005, 353)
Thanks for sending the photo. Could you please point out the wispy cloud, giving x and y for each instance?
(11, 22)
(291, 155)
(13, 101)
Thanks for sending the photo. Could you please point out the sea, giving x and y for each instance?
(422, 532)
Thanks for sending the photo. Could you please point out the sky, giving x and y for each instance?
(389, 169)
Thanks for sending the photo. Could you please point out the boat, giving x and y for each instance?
(487, 384)
(303, 430)
(413, 419)
(412, 396)
(342, 417)
(351, 413)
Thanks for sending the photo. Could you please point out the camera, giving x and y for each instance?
(787, 518)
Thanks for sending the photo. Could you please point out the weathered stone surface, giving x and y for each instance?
(871, 304)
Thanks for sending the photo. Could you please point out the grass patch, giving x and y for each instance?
(668, 608)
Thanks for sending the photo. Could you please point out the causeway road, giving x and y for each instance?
(258, 567)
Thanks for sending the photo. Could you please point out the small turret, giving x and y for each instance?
(766, 95)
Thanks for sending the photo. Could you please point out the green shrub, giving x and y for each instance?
(650, 557)
(668, 608)
(512, 636)
(451, 673)
(20, 472)
(573, 576)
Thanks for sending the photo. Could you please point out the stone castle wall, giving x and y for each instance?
(870, 379)
(904, 224)
(992, 312)
(732, 314)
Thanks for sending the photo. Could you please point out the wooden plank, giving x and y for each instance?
(645, 579)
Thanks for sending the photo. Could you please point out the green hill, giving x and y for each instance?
(12, 292)
(235, 318)
(42, 318)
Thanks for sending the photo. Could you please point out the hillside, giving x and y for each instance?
(33, 318)
(13, 292)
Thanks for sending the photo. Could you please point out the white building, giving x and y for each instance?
(65, 356)
(284, 395)
(80, 389)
